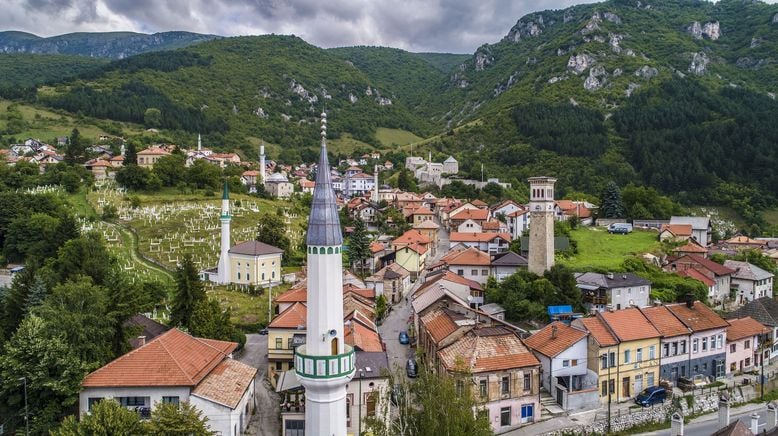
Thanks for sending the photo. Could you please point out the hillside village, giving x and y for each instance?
(422, 293)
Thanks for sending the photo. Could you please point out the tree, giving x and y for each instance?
(188, 294)
(83, 256)
(358, 245)
(125, 300)
(610, 202)
(210, 321)
(133, 177)
(52, 371)
(171, 419)
(204, 175)
(75, 150)
(420, 411)
(32, 236)
(152, 117)
(272, 230)
(107, 418)
(130, 154)
(380, 306)
(406, 182)
(36, 295)
(79, 309)
(170, 169)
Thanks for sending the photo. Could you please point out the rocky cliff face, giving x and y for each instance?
(712, 30)
(117, 45)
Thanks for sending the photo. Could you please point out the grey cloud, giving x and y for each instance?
(418, 25)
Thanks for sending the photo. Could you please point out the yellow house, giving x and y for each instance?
(148, 157)
(255, 263)
(623, 350)
(284, 333)
(412, 257)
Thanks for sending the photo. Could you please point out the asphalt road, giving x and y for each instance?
(711, 425)
(265, 421)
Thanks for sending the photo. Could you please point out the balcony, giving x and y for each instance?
(324, 367)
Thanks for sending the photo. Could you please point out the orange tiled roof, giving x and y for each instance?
(469, 256)
(691, 247)
(173, 358)
(699, 317)
(677, 229)
(293, 295)
(477, 237)
(153, 151)
(362, 292)
(376, 247)
(250, 173)
(478, 203)
(411, 237)
(487, 349)
(629, 324)
(491, 225)
(227, 383)
(427, 225)
(439, 324)
(744, 240)
(362, 338)
(740, 328)
(599, 331)
(665, 322)
(294, 316)
(472, 214)
(698, 275)
(548, 343)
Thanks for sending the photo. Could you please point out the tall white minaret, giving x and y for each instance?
(199, 143)
(223, 272)
(325, 364)
(375, 183)
(262, 168)
(122, 150)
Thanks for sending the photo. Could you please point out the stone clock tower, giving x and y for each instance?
(541, 224)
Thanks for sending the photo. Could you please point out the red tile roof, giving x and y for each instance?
(439, 324)
(411, 237)
(570, 207)
(677, 229)
(477, 237)
(173, 358)
(629, 324)
(717, 268)
(486, 350)
(471, 214)
(376, 247)
(448, 276)
(691, 247)
(293, 295)
(469, 256)
(664, 321)
(227, 383)
(293, 317)
(549, 342)
(153, 151)
(740, 328)
(699, 317)
(599, 331)
(362, 338)
(698, 275)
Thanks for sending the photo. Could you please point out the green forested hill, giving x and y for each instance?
(26, 70)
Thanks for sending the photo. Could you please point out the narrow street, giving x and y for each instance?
(265, 421)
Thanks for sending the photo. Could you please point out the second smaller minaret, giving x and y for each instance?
(223, 269)
(375, 184)
(199, 143)
(262, 169)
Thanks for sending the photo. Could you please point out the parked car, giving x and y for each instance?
(404, 339)
(263, 331)
(411, 368)
(651, 396)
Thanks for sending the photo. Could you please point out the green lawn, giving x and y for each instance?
(80, 204)
(599, 249)
(347, 145)
(395, 137)
(248, 312)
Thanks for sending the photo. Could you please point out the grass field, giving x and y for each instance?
(347, 145)
(771, 216)
(395, 137)
(248, 312)
(599, 249)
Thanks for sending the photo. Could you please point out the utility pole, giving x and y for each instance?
(26, 411)
(606, 356)
(359, 410)
(269, 301)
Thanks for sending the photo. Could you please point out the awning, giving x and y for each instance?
(288, 381)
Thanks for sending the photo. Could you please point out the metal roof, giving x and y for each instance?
(324, 223)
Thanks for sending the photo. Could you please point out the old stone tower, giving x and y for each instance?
(541, 224)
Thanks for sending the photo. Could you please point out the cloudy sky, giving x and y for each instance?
(418, 25)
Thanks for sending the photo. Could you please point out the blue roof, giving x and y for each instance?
(556, 310)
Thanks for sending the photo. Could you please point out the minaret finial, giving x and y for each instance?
(324, 129)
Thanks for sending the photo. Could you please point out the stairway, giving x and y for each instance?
(549, 407)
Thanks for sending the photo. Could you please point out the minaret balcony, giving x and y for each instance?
(324, 367)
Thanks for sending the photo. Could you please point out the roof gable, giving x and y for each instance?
(554, 339)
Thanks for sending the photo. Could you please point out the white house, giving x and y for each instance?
(518, 223)
(751, 281)
(617, 291)
(173, 368)
(701, 227)
(469, 226)
(562, 351)
(358, 184)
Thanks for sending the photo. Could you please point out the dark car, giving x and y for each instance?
(263, 331)
(411, 368)
(404, 339)
(651, 396)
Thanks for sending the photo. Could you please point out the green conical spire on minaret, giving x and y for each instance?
(226, 194)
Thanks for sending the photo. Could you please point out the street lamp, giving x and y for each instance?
(26, 413)
(608, 387)
(359, 409)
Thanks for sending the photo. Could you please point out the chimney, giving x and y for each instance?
(723, 410)
(609, 275)
(141, 341)
(553, 331)
(689, 301)
(772, 416)
(755, 423)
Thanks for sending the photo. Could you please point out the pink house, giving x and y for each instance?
(743, 336)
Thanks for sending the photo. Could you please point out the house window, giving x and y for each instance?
(370, 403)
(460, 272)
(733, 348)
(612, 385)
(604, 362)
(289, 343)
(666, 349)
(675, 348)
(279, 343)
(527, 382)
(92, 401)
(574, 362)
(474, 272)
(747, 344)
(695, 345)
(652, 352)
(649, 379)
(683, 347)
(482, 388)
(505, 416)
(460, 387)
(505, 385)
(720, 341)
(170, 400)
(132, 401)
(705, 344)
(484, 272)
(639, 355)
(565, 363)
(612, 359)
(238, 275)
(747, 363)
(248, 277)
(604, 390)
(626, 356)
(279, 366)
